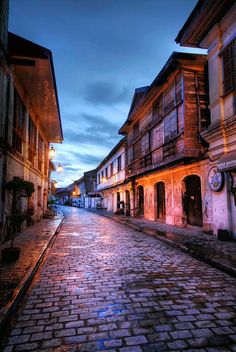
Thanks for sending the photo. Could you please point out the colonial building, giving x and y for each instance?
(111, 182)
(30, 119)
(85, 190)
(212, 26)
(166, 163)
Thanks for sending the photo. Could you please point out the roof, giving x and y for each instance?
(117, 146)
(204, 16)
(172, 64)
(137, 97)
(33, 67)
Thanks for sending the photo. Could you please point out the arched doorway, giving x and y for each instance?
(118, 200)
(140, 201)
(192, 200)
(161, 202)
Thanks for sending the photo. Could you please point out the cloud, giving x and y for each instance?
(106, 92)
(90, 159)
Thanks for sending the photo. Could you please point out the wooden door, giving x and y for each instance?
(161, 203)
(193, 200)
(140, 200)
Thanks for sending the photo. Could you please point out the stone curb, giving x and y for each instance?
(19, 292)
(150, 232)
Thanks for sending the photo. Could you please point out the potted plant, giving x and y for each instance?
(18, 188)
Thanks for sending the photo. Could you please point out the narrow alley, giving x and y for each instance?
(104, 286)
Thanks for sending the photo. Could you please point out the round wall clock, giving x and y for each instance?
(215, 179)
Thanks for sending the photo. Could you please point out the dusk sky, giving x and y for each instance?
(102, 51)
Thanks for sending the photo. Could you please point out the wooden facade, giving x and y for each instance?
(164, 127)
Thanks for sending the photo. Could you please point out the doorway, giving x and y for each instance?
(140, 201)
(161, 202)
(118, 200)
(192, 200)
(127, 203)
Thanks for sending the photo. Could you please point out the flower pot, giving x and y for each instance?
(10, 254)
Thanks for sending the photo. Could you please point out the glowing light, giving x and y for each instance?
(52, 153)
(59, 168)
(103, 179)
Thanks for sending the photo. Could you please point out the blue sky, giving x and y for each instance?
(102, 51)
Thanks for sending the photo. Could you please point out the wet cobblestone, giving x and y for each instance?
(105, 286)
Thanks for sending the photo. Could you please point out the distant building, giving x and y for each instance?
(212, 26)
(29, 116)
(111, 183)
(64, 195)
(165, 160)
(85, 190)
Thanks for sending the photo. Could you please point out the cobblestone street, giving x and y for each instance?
(105, 286)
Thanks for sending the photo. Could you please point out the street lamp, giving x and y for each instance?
(52, 153)
(59, 168)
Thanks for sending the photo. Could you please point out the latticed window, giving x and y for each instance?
(130, 154)
(229, 67)
(32, 140)
(169, 99)
(170, 126)
(157, 136)
(158, 109)
(40, 153)
(178, 89)
(145, 144)
(136, 130)
(19, 113)
(136, 151)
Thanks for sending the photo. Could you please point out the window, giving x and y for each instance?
(111, 168)
(106, 172)
(157, 136)
(145, 144)
(146, 160)
(136, 151)
(229, 67)
(32, 140)
(169, 99)
(136, 130)
(178, 89)
(130, 155)
(40, 153)
(170, 126)
(157, 112)
(119, 163)
(19, 112)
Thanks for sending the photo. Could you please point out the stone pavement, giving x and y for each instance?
(220, 254)
(104, 286)
(15, 277)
